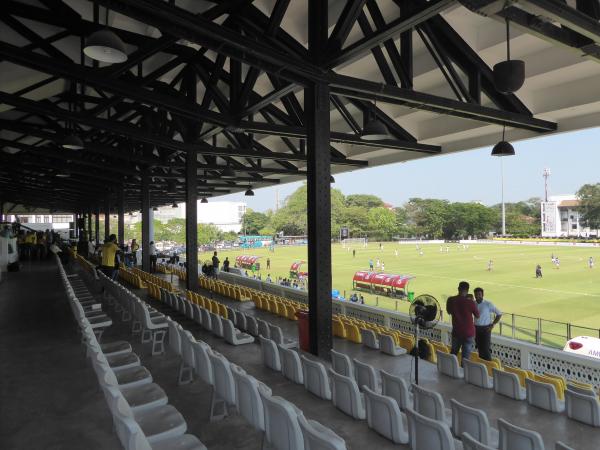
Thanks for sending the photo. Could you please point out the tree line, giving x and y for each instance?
(368, 215)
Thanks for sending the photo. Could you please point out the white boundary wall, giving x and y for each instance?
(511, 352)
(532, 243)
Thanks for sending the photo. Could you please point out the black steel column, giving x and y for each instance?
(191, 187)
(89, 224)
(191, 222)
(97, 230)
(316, 100)
(121, 208)
(107, 218)
(145, 220)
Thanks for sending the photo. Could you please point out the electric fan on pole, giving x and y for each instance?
(424, 313)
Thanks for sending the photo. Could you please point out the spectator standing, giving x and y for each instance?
(153, 256)
(538, 271)
(134, 248)
(462, 309)
(484, 324)
(215, 263)
(354, 253)
(109, 252)
(591, 262)
(371, 265)
(226, 265)
(268, 263)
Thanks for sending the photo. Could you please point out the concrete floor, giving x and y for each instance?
(49, 397)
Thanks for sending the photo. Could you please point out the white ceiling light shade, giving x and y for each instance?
(249, 192)
(105, 46)
(203, 200)
(73, 142)
(375, 130)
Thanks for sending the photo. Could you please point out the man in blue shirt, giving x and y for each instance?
(484, 324)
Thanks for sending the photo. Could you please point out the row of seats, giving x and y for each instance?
(284, 426)
(277, 305)
(233, 291)
(180, 272)
(234, 326)
(150, 324)
(430, 425)
(148, 277)
(547, 391)
(163, 268)
(130, 277)
(142, 417)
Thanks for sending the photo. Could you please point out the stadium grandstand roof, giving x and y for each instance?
(226, 80)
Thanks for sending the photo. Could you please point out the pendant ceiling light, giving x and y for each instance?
(331, 179)
(203, 200)
(374, 129)
(509, 75)
(249, 192)
(155, 209)
(105, 46)
(503, 148)
(174, 205)
(73, 142)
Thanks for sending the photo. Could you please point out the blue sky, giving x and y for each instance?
(573, 158)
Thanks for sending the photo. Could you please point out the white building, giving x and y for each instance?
(227, 216)
(42, 222)
(561, 218)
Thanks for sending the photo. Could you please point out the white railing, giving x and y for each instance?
(511, 352)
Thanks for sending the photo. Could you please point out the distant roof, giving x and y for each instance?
(569, 203)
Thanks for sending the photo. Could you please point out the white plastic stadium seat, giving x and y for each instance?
(428, 434)
(472, 421)
(186, 371)
(291, 366)
(233, 336)
(206, 319)
(507, 383)
(251, 325)
(342, 364)
(469, 443)
(277, 336)
(315, 376)
(346, 396)
(384, 416)
(476, 373)
(389, 347)
(263, 329)
(583, 408)
(512, 437)
(270, 354)
(224, 386)
(543, 395)
(428, 403)
(216, 324)
(395, 387)
(319, 437)
(282, 431)
(369, 339)
(366, 376)
(133, 438)
(447, 364)
(249, 402)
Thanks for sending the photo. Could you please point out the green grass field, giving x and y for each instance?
(569, 294)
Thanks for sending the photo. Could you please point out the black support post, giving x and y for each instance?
(145, 221)
(97, 230)
(316, 98)
(191, 226)
(107, 218)
(121, 212)
(89, 224)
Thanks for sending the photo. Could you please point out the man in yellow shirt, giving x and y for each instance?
(109, 252)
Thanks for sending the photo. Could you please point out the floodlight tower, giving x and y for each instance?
(546, 175)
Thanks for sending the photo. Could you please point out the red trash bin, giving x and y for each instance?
(303, 333)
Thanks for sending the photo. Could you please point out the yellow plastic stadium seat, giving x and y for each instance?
(353, 334)
(558, 385)
(405, 342)
(339, 329)
(522, 374)
(223, 311)
(441, 347)
(557, 377)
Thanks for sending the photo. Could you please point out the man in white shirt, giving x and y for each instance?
(153, 257)
(484, 324)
